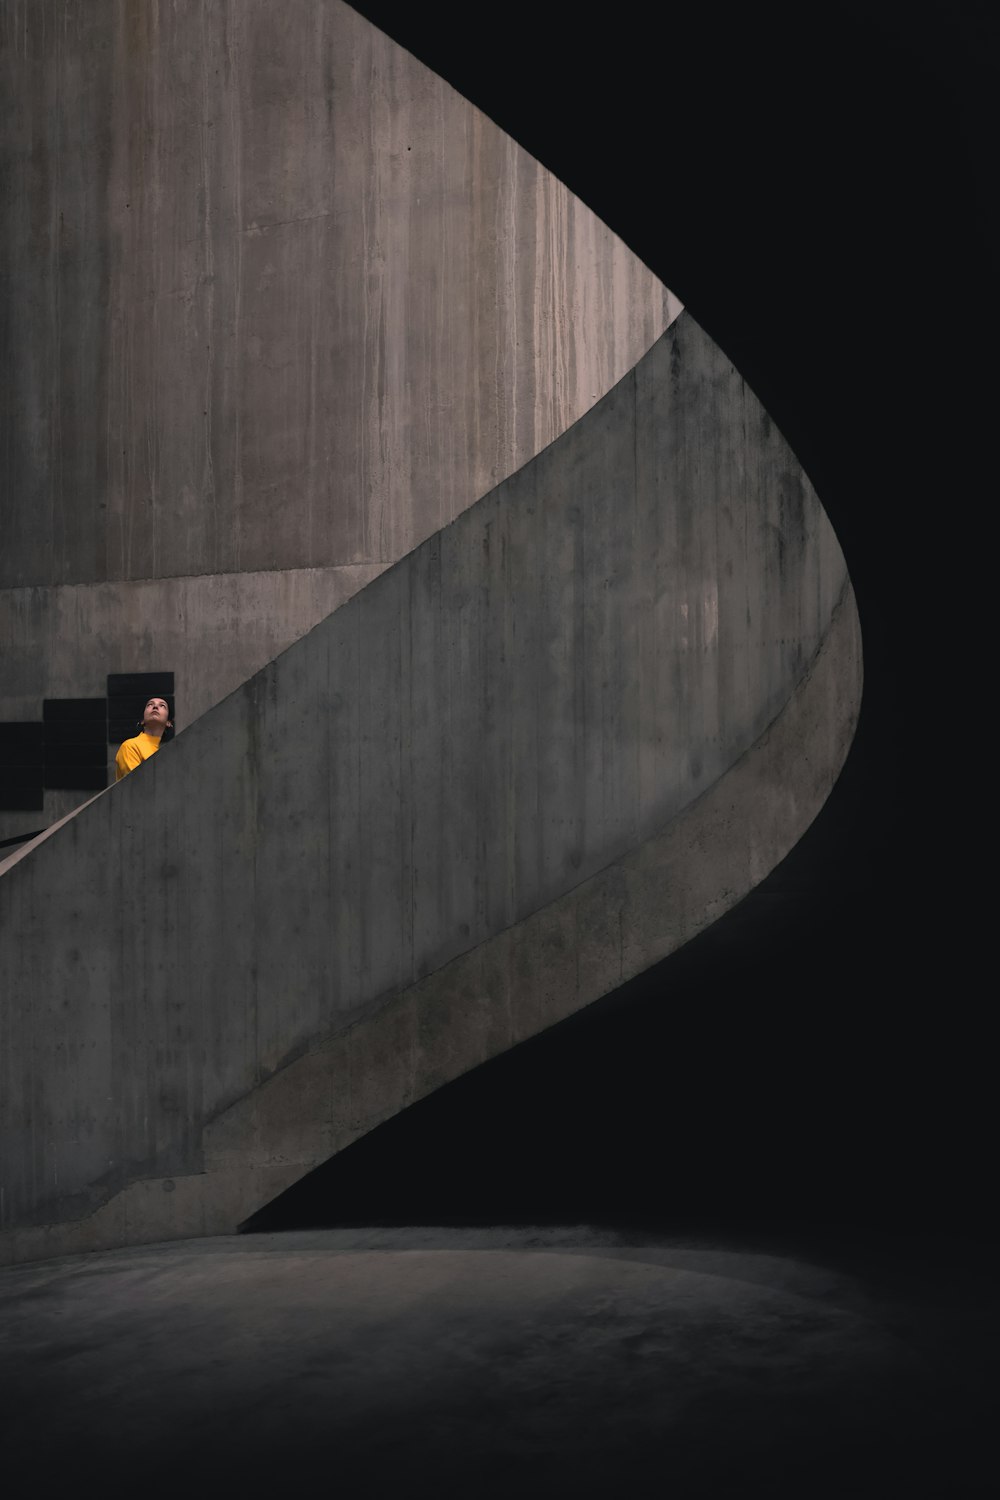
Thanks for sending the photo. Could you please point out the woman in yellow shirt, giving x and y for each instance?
(132, 753)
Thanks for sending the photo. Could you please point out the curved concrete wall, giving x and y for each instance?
(647, 634)
(273, 298)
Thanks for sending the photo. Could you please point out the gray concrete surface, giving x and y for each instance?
(272, 297)
(60, 639)
(539, 1361)
(213, 632)
(525, 763)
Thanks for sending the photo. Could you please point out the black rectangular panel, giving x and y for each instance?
(21, 789)
(21, 745)
(76, 778)
(73, 732)
(121, 729)
(21, 776)
(75, 755)
(82, 711)
(21, 800)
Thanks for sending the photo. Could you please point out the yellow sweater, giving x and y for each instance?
(132, 753)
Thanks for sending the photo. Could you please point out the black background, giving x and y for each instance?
(814, 185)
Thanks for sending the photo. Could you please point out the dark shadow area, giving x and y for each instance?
(20, 838)
(717, 1090)
(813, 185)
(748, 1081)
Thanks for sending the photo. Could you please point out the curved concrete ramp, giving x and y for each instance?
(530, 760)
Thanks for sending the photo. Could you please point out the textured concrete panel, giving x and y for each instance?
(272, 298)
(647, 632)
(273, 295)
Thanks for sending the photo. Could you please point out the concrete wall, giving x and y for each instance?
(272, 298)
(647, 634)
(212, 632)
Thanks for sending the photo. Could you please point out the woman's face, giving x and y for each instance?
(156, 712)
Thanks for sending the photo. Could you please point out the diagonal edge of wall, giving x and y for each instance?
(588, 942)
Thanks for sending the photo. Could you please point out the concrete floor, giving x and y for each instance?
(504, 1361)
